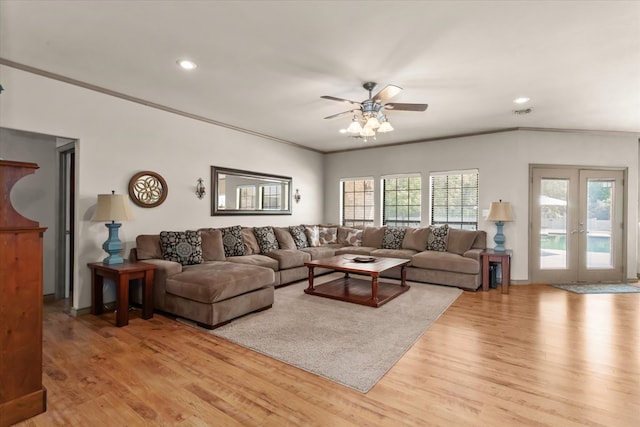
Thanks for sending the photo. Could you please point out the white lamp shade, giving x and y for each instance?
(385, 127)
(500, 211)
(367, 131)
(112, 207)
(354, 127)
(372, 123)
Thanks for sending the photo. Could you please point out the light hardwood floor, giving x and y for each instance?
(538, 356)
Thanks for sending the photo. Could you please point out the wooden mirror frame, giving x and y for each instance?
(148, 189)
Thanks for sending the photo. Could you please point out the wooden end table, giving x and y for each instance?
(504, 258)
(121, 274)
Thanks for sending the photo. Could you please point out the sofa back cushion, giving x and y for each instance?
(460, 241)
(212, 246)
(266, 238)
(393, 237)
(249, 241)
(299, 236)
(416, 238)
(285, 239)
(437, 240)
(232, 241)
(184, 247)
(148, 247)
(481, 240)
(372, 236)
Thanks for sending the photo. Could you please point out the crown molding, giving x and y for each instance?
(64, 79)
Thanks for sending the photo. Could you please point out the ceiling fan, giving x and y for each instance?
(372, 111)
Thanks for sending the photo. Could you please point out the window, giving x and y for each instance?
(454, 199)
(401, 201)
(271, 197)
(357, 202)
(247, 197)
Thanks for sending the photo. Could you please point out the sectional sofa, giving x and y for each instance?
(212, 276)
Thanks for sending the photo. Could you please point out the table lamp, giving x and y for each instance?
(112, 207)
(500, 212)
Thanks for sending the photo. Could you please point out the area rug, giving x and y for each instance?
(615, 288)
(347, 343)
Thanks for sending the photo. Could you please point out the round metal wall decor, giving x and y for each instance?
(148, 189)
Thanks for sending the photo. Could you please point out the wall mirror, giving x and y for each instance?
(238, 192)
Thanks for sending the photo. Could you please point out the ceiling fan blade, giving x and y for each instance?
(389, 91)
(333, 98)
(342, 114)
(405, 107)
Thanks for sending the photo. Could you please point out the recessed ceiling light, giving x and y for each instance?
(186, 64)
(342, 131)
(521, 100)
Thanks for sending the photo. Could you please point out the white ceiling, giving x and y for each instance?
(263, 65)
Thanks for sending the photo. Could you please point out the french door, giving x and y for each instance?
(576, 225)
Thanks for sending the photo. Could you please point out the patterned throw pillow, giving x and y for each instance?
(437, 240)
(313, 235)
(393, 238)
(184, 247)
(354, 237)
(232, 241)
(266, 238)
(299, 236)
(327, 235)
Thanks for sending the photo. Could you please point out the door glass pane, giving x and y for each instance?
(599, 223)
(553, 223)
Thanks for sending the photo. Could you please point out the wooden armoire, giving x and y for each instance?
(21, 392)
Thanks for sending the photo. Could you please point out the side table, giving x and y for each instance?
(121, 274)
(504, 258)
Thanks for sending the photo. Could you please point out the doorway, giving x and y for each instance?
(66, 208)
(577, 225)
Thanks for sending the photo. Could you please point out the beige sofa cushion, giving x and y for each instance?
(289, 258)
(416, 238)
(372, 236)
(285, 239)
(212, 246)
(320, 252)
(445, 261)
(217, 282)
(394, 253)
(148, 247)
(251, 245)
(357, 250)
(459, 241)
(255, 259)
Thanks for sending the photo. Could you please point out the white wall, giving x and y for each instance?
(118, 138)
(34, 196)
(503, 161)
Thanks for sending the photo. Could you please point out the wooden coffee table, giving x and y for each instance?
(356, 290)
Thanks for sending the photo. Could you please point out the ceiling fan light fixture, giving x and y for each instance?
(385, 126)
(372, 123)
(355, 127)
(367, 131)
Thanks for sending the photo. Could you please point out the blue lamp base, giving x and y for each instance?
(113, 245)
(499, 237)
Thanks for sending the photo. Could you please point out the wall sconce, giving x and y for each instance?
(297, 196)
(200, 189)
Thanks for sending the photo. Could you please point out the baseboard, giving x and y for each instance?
(75, 312)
